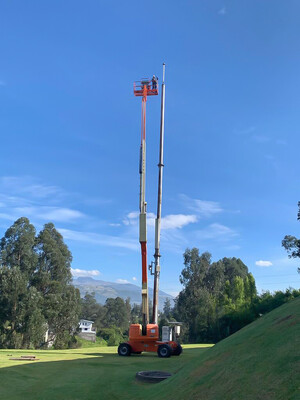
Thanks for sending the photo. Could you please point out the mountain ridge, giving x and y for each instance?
(106, 289)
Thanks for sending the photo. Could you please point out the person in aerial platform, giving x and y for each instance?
(154, 82)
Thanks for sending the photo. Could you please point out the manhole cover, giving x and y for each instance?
(152, 376)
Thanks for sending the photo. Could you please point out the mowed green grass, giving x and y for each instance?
(260, 361)
(85, 374)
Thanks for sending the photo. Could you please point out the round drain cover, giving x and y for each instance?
(152, 376)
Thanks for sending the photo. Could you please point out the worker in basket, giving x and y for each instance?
(154, 82)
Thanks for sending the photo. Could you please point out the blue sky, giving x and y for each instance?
(70, 129)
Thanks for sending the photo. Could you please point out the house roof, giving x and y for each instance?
(86, 320)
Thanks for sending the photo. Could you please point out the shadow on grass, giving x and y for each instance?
(100, 376)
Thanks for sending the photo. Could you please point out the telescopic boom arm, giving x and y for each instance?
(159, 201)
(143, 217)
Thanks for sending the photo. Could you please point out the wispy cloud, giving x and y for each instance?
(76, 272)
(262, 263)
(245, 131)
(260, 138)
(172, 221)
(134, 278)
(203, 208)
(95, 238)
(50, 213)
(281, 142)
(216, 231)
(44, 214)
(222, 11)
(122, 281)
(25, 197)
(28, 186)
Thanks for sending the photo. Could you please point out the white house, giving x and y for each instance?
(85, 326)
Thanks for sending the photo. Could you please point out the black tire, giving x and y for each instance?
(164, 351)
(124, 350)
(177, 351)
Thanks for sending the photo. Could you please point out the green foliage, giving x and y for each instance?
(113, 336)
(117, 313)
(211, 291)
(35, 290)
(93, 311)
(292, 244)
(220, 298)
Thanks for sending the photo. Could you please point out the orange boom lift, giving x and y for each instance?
(145, 337)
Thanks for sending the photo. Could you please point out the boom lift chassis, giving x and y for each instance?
(145, 337)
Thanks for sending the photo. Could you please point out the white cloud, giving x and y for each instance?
(222, 11)
(262, 263)
(122, 281)
(134, 278)
(216, 231)
(76, 272)
(49, 213)
(132, 218)
(29, 186)
(203, 208)
(177, 221)
(172, 221)
(95, 238)
(114, 224)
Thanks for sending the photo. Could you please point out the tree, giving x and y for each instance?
(54, 259)
(116, 314)
(93, 311)
(13, 290)
(292, 244)
(35, 289)
(211, 290)
(17, 246)
(89, 307)
(167, 310)
(52, 278)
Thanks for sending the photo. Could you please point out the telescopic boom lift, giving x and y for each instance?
(145, 337)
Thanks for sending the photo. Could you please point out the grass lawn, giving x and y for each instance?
(85, 374)
(260, 362)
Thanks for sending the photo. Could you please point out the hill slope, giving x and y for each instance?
(261, 361)
(104, 289)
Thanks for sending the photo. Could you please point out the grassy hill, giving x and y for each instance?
(261, 361)
(258, 362)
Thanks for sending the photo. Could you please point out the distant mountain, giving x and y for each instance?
(104, 289)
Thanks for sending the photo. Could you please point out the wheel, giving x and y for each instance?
(124, 349)
(164, 351)
(177, 351)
